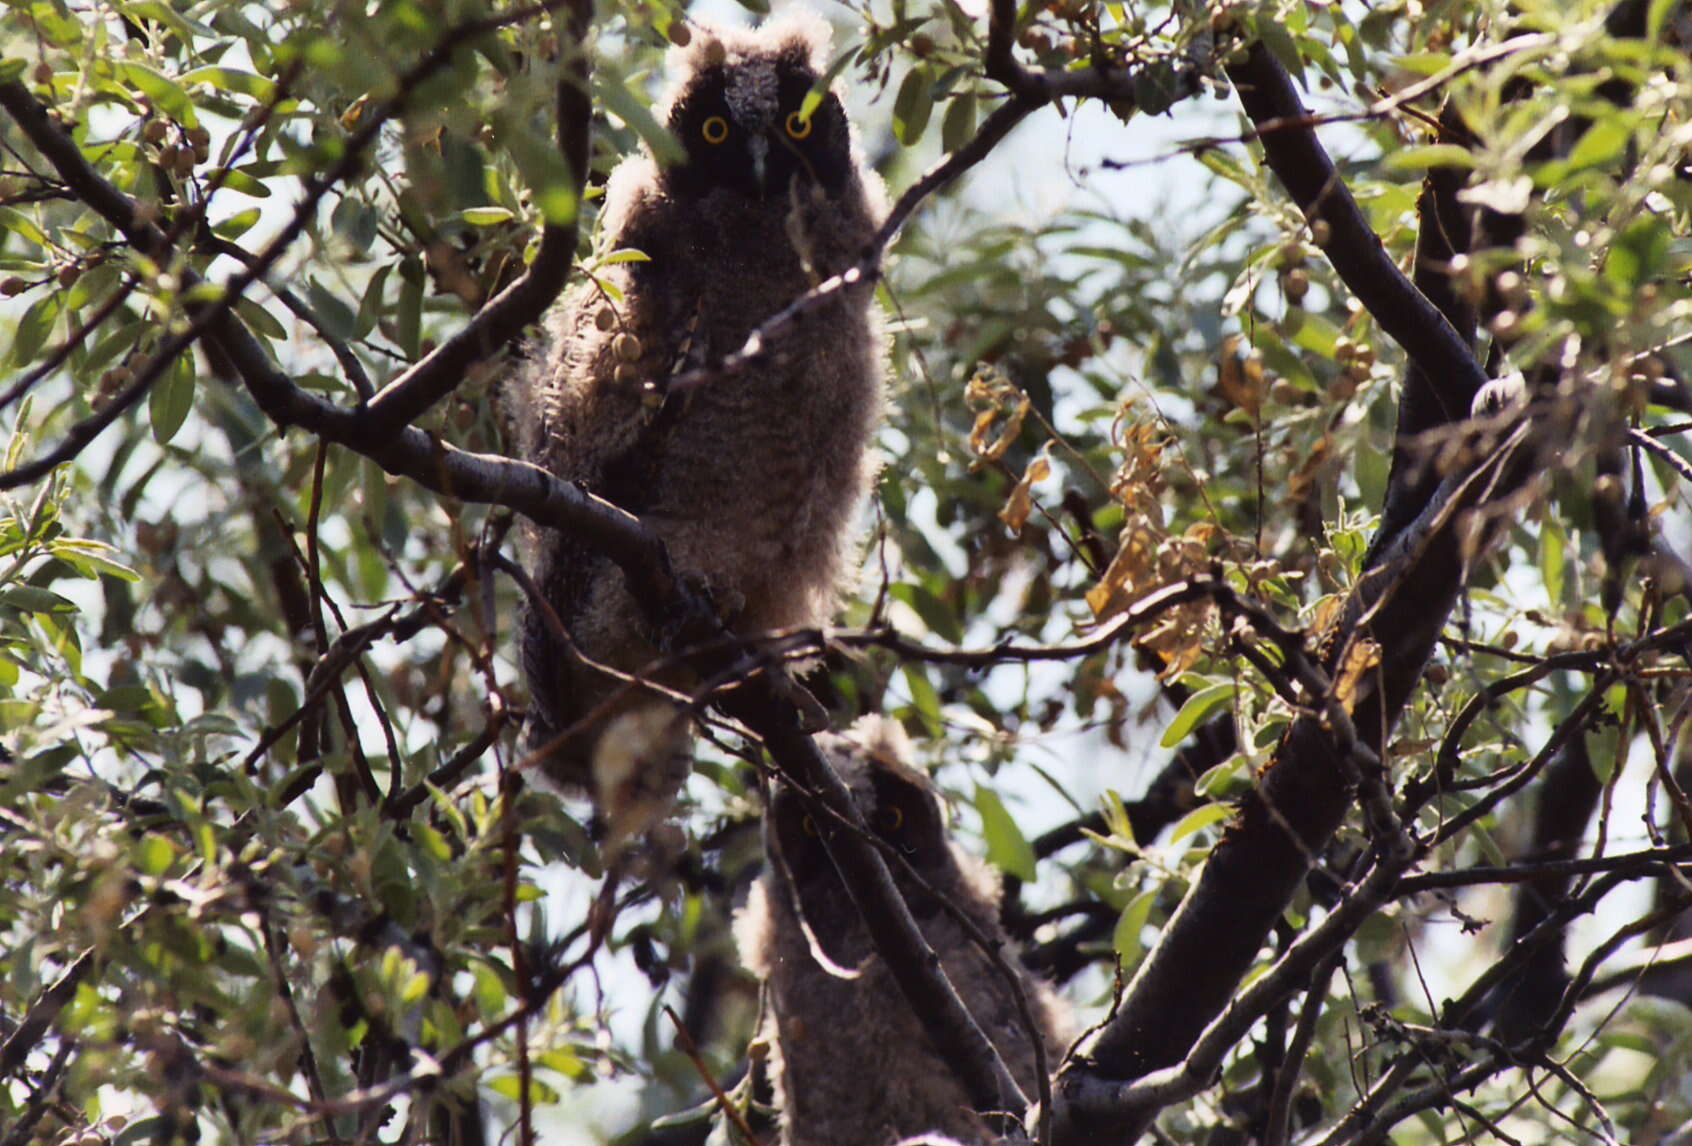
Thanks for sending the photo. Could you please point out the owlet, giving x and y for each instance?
(754, 481)
(851, 1063)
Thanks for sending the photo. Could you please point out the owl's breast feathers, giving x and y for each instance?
(753, 479)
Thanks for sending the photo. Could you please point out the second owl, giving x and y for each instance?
(851, 1062)
(753, 481)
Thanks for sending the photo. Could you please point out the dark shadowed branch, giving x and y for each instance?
(214, 319)
(524, 301)
(1293, 151)
(1303, 795)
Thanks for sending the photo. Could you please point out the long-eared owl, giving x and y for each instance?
(851, 1063)
(753, 481)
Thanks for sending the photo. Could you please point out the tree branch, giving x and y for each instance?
(1298, 801)
(1291, 148)
(523, 302)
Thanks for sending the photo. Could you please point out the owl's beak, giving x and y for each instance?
(760, 149)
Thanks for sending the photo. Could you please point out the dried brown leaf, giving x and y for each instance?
(1021, 501)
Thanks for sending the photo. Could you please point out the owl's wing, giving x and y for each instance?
(629, 476)
(594, 422)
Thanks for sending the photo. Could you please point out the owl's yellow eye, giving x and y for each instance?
(798, 127)
(892, 818)
(810, 826)
(715, 129)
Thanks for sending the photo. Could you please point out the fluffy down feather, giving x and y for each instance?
(851, 1063)
(755, 483)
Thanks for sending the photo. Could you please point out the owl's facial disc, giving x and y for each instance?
(743, 127)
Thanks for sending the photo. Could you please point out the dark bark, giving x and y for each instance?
(1566, 802)
(1306, 791)
(1292, 150)
(1424, 407)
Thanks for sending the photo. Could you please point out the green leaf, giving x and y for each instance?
(166, 94)
(813, 98)
(355, 221)
(912, 106)
(1656, 16)
(1602, 144)
(1216, 780)
(233, 80)
(31, 599)
(336, 316)
(1281, 45)
(569, 1064)
(1227, 167)
(34, 327)
(171, 398)
(1007, 848)
(1423, 63)
(1639, 254)
(92, 565)
(509, 1086)
(260, 320)
(957, 127)
(923, 697)
(237, 224)
(432, 842)
(243, 180)
(1198, 819)
(1156, 87)
(485, 216)
(370, 306)
(1430, 155)
(1311, 331)
(22, 225)
(1551, 560)
(491, 996)
(1116, 816)
(551, 183)
(940, 617)
(1129, 927)
(184, 29)
(620, 102)
(1198, 708)
(154, 854)
(408, 319)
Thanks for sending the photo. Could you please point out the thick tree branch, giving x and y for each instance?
(1293, 152)
(1427, 404)
(1114, 84)
(524, 301)
(39, 1019)
(1299, 800)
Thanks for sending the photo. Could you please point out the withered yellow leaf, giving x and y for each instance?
(1021, 501)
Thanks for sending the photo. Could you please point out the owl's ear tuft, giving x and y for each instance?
(707, 47)
(801, 37)
(885, 739)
